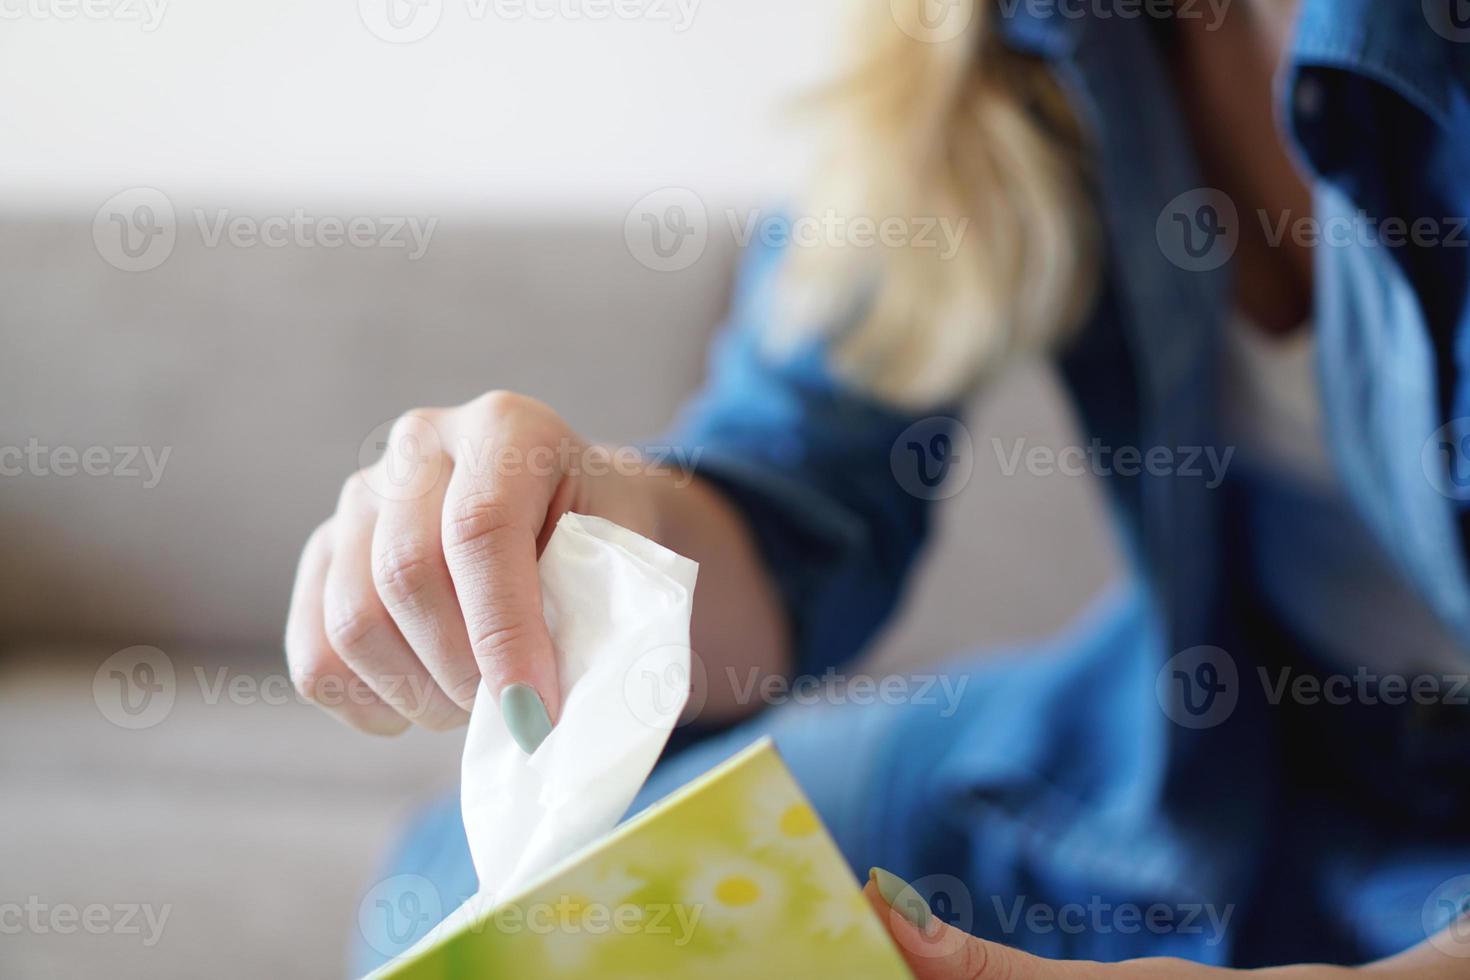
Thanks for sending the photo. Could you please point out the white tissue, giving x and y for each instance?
(618, 607)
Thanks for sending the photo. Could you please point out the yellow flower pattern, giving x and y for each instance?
(733, 876)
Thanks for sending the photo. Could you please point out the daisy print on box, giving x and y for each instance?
(732, 876)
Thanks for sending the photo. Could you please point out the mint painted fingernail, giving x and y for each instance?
(525, 716)
(901, 897)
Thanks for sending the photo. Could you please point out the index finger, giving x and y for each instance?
(493, 515)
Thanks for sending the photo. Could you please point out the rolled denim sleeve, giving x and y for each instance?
(806, 460)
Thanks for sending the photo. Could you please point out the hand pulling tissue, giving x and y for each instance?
(730, 876)
(618, 607)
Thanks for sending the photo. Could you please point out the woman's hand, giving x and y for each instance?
(424, 580)
(935, 951)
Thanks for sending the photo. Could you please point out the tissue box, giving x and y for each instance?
(733, 876)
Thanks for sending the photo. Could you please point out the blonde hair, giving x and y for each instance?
(961, 130)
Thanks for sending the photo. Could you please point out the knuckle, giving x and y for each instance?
(982, 961)
(442, 719)
(463, 691)
(413, 424)
(473, 520)
(402, 572)
(500, 403)
(350, 624)
(320, 536)
(418, 699)
(318, 681)
(355, 491)
(307, 677)
(493, 643)
(975, 964)
(512, 408)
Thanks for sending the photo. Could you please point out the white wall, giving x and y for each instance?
(300, 100)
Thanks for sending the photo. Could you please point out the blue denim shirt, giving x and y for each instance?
(1374, 97)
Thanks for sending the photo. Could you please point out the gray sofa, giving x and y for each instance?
(261, 371)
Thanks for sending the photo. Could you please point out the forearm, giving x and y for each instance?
(740, 631)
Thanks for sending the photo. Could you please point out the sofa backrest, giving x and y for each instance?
(260, 372)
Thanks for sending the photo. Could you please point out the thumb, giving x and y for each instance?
(937, 951)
